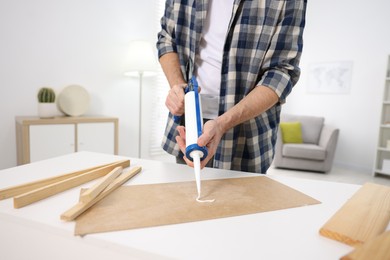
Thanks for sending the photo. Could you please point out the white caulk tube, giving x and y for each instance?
(194, 126)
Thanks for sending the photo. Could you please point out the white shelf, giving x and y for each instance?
(382, 152)
(378, 171)
(383, 149)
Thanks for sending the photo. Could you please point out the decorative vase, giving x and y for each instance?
(47, 110)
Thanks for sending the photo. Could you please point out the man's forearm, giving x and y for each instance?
(171, 66)
(259, 100)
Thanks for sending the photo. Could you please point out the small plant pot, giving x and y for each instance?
(47, 110)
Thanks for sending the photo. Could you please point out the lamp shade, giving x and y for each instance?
(141, 60)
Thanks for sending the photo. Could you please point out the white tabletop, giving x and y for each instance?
(36, 231)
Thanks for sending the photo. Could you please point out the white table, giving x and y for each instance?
(36, 231)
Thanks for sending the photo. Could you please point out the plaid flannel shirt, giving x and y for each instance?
(263, 47)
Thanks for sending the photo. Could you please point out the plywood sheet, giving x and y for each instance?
(363, 217)
(140, 206)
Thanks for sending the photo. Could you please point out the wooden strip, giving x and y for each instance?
(361, 218)
(376, 249)
(80, 207)
(92, 192)
(23, 188)
(54, 188)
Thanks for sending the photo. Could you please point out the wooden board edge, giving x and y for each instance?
(374, 249)
(80, 207)
(16, 190)
(95, 190)
(339, 237)
(57, 187)
(327, 230)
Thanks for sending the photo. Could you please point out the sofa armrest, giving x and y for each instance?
(328, 137)
(328, 140)
(278, 149)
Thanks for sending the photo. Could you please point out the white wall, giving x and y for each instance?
(347, 30)
(57, 43)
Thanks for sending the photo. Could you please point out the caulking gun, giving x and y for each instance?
(194, 126)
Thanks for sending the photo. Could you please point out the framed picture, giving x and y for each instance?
(330, 77)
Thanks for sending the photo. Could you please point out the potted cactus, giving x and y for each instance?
(46, 103)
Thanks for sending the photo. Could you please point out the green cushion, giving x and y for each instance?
(291, 132)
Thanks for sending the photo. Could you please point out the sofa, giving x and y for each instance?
(313, 152)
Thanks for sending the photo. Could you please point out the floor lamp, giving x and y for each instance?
(142, 63)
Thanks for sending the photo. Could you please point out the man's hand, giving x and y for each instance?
(212, 134)
(255, 103)
(175, 99)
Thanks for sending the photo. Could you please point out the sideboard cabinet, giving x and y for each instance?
(39, 139)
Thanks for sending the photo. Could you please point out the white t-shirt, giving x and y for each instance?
(208, 61)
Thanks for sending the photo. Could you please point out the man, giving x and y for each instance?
(245, 56)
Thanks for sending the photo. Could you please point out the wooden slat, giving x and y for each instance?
(80, 207)
(26, 187)
(92, 192)
(57, 187)
(376, 249)
(361, 218)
